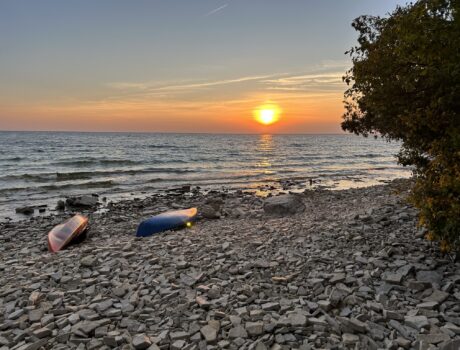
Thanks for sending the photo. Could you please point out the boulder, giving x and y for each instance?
(82, 201)
(25, 210)
(60, 205)
(287, 204)
(208, 212)
(211, 208)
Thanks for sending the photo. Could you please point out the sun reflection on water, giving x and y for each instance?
(265, 148)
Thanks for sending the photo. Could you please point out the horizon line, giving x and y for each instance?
(172, 132)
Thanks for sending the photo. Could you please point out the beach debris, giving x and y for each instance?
(287, 204)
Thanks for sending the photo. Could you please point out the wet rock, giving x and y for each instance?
(60, 205)
(25, 210)
(82, 201)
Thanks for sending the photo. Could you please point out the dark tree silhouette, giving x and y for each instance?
(405, 85)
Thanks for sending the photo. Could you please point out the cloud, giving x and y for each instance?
(326, 79)
(307, 82)
(179, 89)
(210, 13)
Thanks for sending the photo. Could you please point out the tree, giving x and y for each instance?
(405, 85)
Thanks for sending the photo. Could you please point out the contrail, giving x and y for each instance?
(216, 10)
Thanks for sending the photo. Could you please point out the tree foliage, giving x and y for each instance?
(405, 85)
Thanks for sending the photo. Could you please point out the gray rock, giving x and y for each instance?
(42, 332)
(180, 335)
(202, 302)
(429, 305)
(293, 319)
(417, 322)
(338, 295)
(437, 296)
(141, 341)
(16, 314)
(209, 334)
(451, 345)
(255, 328)
(88, 327)
(352, 325)
(283, 205)
(60, 205)
(271, 306)
(25, 210)
(35, 345)
(88, 261)
(237, 332)
(208, 212)
(337, 277)
(349, 339)
(394, 278)
(82, 201)
(432, 277)
(177, 345)
(433, 338)
(406, 332)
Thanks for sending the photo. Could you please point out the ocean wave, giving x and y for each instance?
(82, 175)
(166, 146)
(95, 161)
(85, 185)
(11, 159)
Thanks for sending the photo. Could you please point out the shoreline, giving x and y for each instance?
(351, 270)
(50, 208)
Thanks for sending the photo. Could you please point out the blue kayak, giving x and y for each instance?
(166, 221)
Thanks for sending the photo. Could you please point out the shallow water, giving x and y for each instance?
(42, 167)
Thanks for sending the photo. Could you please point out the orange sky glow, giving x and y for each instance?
(181, 110)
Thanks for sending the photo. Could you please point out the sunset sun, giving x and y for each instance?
(267, 115)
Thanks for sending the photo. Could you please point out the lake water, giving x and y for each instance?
(42, 167)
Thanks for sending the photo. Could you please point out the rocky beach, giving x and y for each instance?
(317, 270)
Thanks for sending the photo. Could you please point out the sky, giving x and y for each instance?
(176, 65)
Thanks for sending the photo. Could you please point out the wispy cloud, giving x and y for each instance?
(307, 82)
(210, 13)
(322, 80)
(154, 88)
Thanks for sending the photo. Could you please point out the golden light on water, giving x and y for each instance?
(267, 114)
